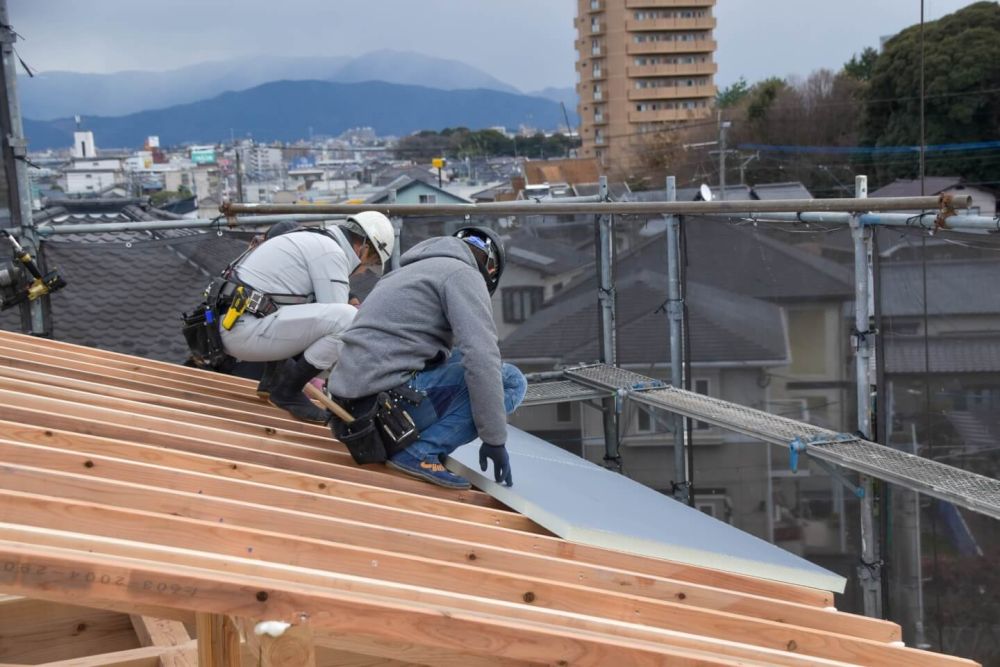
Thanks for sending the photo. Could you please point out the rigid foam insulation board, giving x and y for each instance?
(584, 503)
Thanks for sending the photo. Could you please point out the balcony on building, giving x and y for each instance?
(597, 73)
(598, 95)
(667, 4)
(672, 92)
(676, 46)
(673, 69)
(596, 27)
(600, 118)
(596, 5)
(694, 23)
(669, 115)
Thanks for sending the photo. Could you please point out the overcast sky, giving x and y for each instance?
(526, 43)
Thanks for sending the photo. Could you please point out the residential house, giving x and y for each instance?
(411, 190)
(984, 200)
(538, 268)
(799, 367)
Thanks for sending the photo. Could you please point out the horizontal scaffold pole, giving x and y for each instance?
(555, 207)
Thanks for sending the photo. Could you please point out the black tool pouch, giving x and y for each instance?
(381, 428)
(361, 437)
(201, 331)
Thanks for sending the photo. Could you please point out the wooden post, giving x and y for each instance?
(218, 641)
(294, 647)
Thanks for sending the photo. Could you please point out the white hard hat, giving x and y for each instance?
(379, 231)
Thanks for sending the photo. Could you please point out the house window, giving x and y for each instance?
(564, 413)
(643, 421)
(519, 303)
(701, 387)
(428, 199)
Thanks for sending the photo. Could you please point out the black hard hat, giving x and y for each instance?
(488, 242)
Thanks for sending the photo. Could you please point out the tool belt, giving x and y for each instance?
(381, 426)
(233, 298)
(201, 332)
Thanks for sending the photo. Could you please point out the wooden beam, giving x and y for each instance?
(58, 382)
(174, 566)
(167, 634)
(796, 624)
(82, 354)
(183, 422)
(481, 546)
(144, 475)
(325, 463)
(205, 386)
(353, 611)
(218, 640)
(227, 469)
(150, 656)
(293, 647)
(36, 631)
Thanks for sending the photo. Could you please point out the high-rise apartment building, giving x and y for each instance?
(642, 65)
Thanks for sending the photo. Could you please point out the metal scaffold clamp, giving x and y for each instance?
(801, 446)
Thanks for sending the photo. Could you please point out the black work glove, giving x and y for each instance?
(501, 462)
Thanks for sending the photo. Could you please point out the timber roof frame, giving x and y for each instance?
(175, 496)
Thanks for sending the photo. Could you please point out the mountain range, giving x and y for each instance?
(280, 99)
(57, 94)
(291, 110)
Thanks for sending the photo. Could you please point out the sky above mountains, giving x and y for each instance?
(526, 43)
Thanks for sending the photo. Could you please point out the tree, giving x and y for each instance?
(861, 66)
(732, 94)
(962, 80)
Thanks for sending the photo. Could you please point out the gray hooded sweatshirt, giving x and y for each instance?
(436, 300)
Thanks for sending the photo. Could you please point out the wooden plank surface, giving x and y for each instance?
(796, 624)
(145, 487)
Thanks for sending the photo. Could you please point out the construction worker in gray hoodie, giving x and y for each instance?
(428, 326)
(288, 297)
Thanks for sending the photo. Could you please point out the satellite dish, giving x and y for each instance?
(706, 192)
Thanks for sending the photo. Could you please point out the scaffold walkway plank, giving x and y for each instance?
(961, 487)
(560, 391)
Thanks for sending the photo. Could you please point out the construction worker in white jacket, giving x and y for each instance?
(296, 289)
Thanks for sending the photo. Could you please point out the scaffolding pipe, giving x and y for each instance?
(46, 230)
(675, 316)
(929, 221)
(606, 306)
(557, 207)
(869, 572)
(34, 314)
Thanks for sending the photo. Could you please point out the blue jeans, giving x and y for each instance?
(444, 417)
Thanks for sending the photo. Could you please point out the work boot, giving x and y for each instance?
(272, 369)
(286, 391)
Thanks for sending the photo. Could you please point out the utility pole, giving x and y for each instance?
(675, 316)
(239, 177)
(723, 126)
(35, 314)
(606, 303)
(870, 570)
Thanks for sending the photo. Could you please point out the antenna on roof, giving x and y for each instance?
(706, 192)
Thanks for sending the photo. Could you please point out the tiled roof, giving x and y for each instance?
(725, 327)
(548, 256)
(970, 353)
(956, 287)
(903, 187)
(741, 259)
